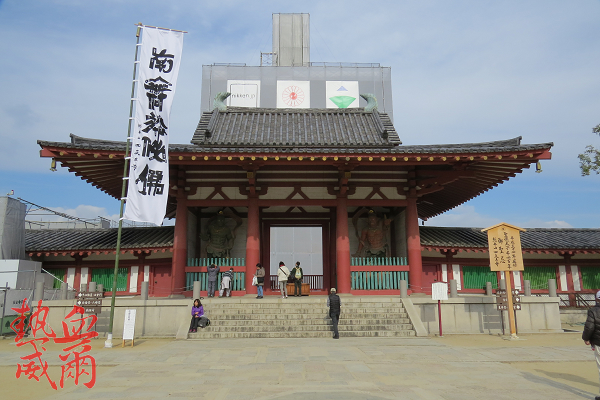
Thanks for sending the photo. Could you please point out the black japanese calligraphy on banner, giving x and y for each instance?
(504, 243)
(147, 191)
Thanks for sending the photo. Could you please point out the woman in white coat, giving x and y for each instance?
(282, 274)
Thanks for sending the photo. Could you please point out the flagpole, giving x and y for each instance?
(108, 342)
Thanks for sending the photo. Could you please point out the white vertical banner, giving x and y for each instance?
(148, 186)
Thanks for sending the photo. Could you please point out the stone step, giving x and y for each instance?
(298, 334)
(298, 317)
(296, 310)
(310, 322)
(298, 328)
(286, 303)
(216, 316)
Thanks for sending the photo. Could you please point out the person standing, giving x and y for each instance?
(226, 282)
(335, 307)
(298, 275)
(213, 274)
(260, 280)
(197, 313)
(591, 331)
(282, 274)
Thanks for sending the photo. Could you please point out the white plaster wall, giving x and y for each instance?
(585, 257)
(316, 193)
(362, 193)
(133, 279)
(108, 257)
(277, 193)
(391, 193)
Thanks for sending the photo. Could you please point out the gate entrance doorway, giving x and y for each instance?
(297, 243)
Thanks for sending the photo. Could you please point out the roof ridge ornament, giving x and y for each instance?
(219, 102)
(371, 102)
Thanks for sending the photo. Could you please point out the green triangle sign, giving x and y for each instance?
(342, 101)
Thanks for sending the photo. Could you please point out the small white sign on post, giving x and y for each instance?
(439, 291)
(129, 326)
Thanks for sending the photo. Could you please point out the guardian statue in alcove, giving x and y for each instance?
(219, 235)
(373, 239)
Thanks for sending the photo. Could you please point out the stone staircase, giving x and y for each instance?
(303, 317)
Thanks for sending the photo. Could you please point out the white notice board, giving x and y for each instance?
(129, 325)
(439, 291)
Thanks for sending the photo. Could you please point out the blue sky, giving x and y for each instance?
(462, 71)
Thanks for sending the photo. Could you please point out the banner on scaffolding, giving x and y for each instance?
(148, 186)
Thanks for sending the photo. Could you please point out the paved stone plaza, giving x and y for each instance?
(541, 366)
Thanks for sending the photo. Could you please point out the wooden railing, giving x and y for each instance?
(377, 280)
(221, 262)
(238, 282)
(361, 261)
(315, 282)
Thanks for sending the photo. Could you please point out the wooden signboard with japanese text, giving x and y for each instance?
(504, 243)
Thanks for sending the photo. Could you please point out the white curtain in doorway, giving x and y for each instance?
(298, 243)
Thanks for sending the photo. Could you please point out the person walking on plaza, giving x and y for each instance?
(282, 274)
(591, 331)
(213, 274)
(197, 313)
(335, 307)
(226, 282)
(260, 280)
(298, 275)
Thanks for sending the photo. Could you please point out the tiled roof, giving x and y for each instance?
(50, 240)
(210, 146)
(531, 239)
(291, 129)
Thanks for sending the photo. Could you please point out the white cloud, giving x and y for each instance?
(467, 216)
(463, 216)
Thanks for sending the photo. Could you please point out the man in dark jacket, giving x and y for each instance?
(591, 332)
(335, 306)
(213, 275)
(297, 274)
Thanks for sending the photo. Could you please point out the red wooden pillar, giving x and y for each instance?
(570, 284)
(179, 245)
(342, 247)
(252, 242)
(413, 242)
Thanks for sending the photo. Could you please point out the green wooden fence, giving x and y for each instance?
(538, 276)
(239, 280)
(476, 277)
(104, 276)
(221, 262)
(377, 280)
(59, 274)
(590, 277)
(362, 261)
